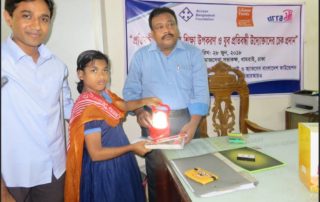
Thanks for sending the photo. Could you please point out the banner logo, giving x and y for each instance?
(244, 16)
(186, 14)
(286, 17)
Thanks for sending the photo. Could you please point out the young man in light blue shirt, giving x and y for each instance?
(33, 153)
(173, 71)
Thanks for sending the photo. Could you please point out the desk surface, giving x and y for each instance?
(279, 184)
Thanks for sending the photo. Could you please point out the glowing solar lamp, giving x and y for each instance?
(160, 126)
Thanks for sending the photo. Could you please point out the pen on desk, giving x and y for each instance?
(4, 81)
(236, 140)
(246, 157)
(235, 134)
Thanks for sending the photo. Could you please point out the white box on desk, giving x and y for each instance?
(309, 155)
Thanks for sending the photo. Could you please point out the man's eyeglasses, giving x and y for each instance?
(160, 27)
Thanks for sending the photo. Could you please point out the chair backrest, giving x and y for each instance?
(224, 81)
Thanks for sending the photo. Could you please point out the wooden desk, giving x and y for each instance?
(280, 184)
(169, 187)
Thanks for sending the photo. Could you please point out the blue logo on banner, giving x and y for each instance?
(186, 14)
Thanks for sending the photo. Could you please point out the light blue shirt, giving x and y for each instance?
(32, 136)
(179, 79)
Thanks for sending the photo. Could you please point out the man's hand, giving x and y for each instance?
(143, 117)
(190, 128)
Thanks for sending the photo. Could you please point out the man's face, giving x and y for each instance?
(165, 32)
(30, 23)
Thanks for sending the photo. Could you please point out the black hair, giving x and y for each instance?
(159, 11)
(11, 5)
(85, 58)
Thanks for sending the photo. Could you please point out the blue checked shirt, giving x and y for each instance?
(179, 79)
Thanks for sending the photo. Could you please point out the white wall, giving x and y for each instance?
(99, 24)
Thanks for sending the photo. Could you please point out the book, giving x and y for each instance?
(251, 160)
(309, 155)
(226, 178)
(171, 142)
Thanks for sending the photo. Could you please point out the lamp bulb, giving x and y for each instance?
(159, 120)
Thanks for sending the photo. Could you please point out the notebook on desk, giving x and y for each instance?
(226, 179)
(261, 161)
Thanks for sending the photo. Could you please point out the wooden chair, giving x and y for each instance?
(224, 81)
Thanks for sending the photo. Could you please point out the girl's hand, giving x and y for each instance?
(139, 148)
(5, 195)
(152, 101)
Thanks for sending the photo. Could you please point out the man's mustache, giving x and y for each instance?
(169, 34)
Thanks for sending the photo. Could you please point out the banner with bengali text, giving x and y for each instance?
(265, 41)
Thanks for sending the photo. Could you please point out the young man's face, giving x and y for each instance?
(165, 32)
(30, 23)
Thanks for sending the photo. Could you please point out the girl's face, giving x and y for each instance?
(95, 76)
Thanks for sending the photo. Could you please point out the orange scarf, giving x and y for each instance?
(88, 107)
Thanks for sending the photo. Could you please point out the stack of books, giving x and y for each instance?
(223, 172)
(225, 179)
(171, 142)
